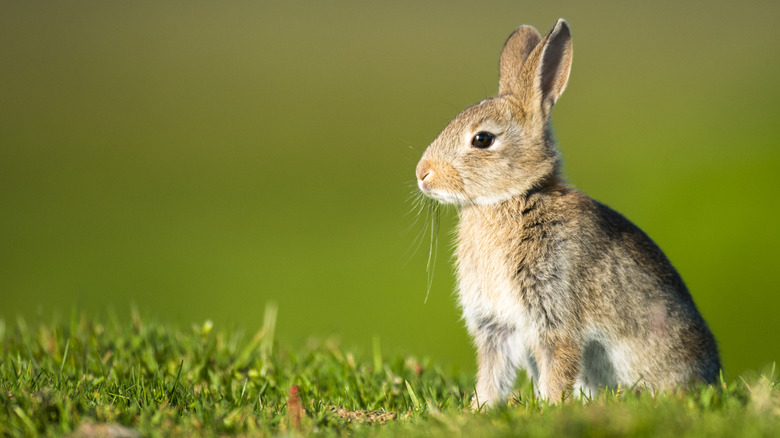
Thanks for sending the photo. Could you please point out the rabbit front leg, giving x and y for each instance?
(559, 366)
(496, 363)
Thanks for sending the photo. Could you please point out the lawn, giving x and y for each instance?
(83, 376)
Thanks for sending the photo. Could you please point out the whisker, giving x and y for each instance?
(433, 250)
(433, 209)
(420, 205)
(417, 209)
(416, 198)
(423, 204)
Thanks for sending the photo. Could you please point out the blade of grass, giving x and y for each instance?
(415, 401)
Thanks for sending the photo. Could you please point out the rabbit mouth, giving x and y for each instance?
(448, 197)
(443, 197)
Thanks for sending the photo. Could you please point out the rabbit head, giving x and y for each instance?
(502, 147)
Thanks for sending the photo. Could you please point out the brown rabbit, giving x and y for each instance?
(549, 279)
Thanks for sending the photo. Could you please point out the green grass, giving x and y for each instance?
(83, 376)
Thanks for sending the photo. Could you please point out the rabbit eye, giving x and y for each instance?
(483, 140)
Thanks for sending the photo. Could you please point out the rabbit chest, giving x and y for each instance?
(513, 271)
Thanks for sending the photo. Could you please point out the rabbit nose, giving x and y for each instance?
(423, 170)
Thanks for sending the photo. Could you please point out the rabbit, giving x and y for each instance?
(550, 280)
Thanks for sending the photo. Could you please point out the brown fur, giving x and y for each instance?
(549, 279)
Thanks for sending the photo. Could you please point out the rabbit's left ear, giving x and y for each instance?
(556, 62)
(546, 72)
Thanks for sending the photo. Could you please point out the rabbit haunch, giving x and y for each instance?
(550, 280)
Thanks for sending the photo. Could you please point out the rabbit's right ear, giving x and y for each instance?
(516, 50)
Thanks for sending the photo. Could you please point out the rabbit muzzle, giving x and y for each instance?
(440, 181)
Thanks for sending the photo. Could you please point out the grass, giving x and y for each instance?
(86, 377)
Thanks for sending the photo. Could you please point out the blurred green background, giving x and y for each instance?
(199, 159)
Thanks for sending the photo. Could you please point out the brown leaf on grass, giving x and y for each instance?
(295, 411)
(369, 417)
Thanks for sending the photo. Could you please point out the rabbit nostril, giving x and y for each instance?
(423, 170)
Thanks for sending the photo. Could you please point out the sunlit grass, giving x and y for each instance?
(145, 378)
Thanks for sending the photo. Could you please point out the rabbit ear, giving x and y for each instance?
(547, 70)
(514, 54)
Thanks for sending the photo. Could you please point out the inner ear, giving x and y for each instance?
(556, 63)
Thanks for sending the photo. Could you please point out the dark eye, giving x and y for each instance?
(483, 140)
